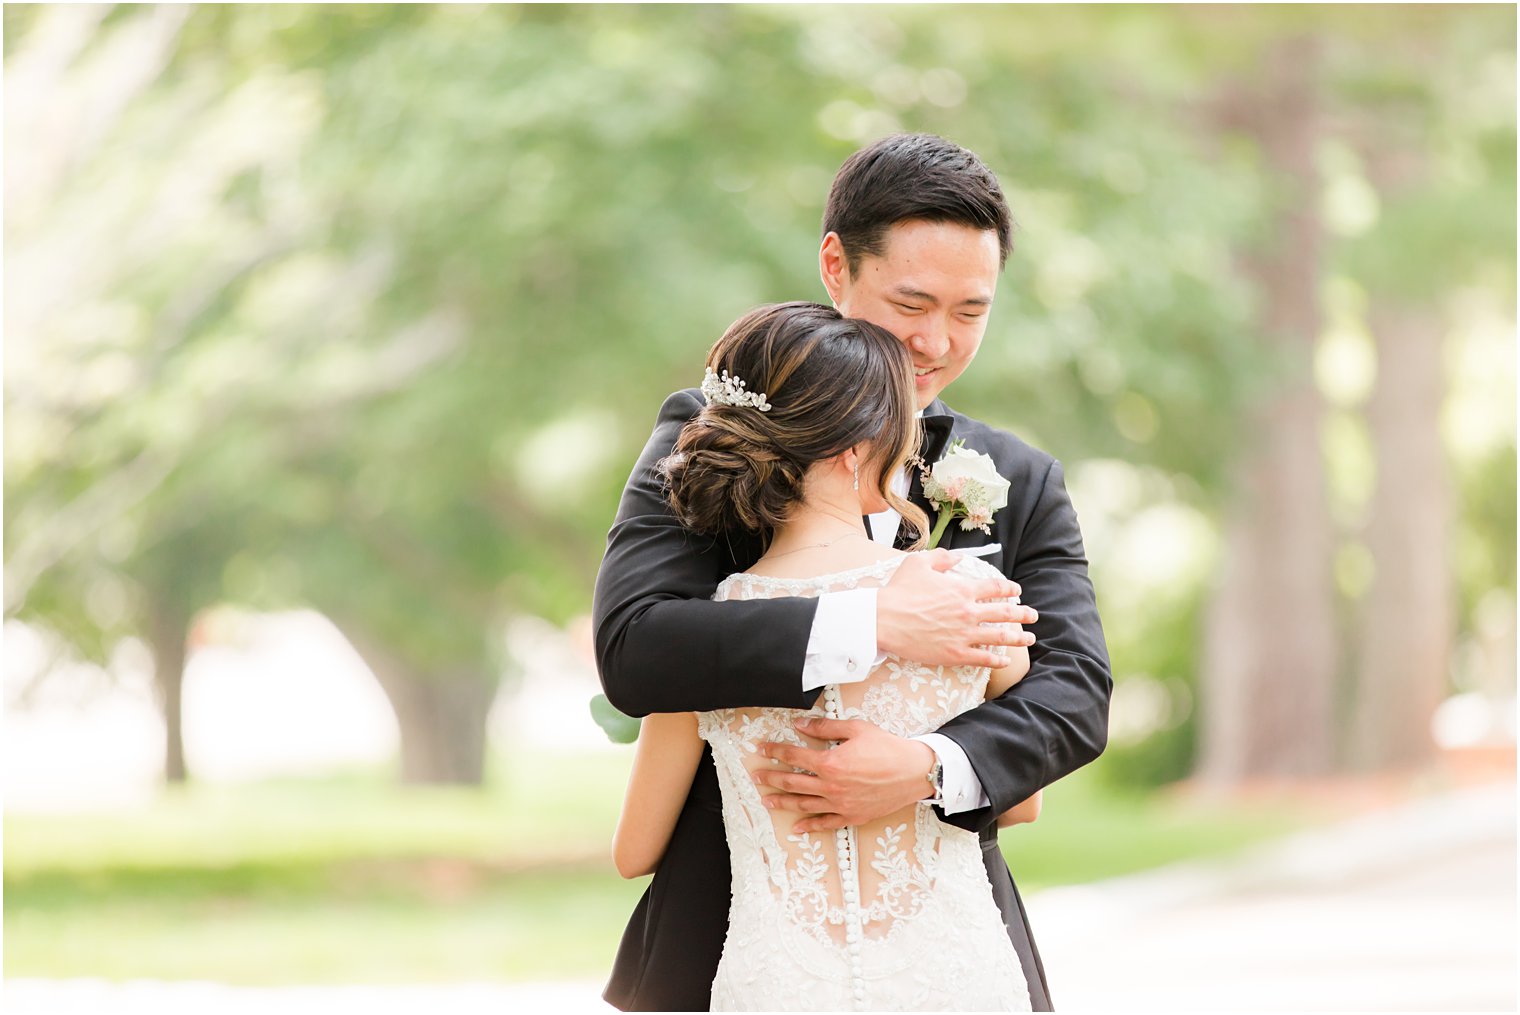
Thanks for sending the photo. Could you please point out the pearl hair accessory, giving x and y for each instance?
(728, 389)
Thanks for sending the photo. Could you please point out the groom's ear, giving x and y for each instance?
(833, 266)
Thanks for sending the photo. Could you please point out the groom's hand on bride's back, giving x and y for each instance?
(936, 618)
(868, 774)
(922, 614)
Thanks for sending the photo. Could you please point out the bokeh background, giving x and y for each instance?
(331, 334)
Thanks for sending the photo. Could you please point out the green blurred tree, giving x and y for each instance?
(1268, 700)
(370, 308)
(1433, 129)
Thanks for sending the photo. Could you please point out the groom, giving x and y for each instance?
(916, 232)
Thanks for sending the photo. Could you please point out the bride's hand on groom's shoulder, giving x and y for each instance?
(934, 617)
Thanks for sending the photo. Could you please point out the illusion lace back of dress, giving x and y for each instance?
(895, 915)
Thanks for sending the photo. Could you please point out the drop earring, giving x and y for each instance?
(857, 477)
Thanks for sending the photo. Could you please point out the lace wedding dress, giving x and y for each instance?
(896, 915)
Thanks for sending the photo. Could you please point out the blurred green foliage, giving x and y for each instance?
(370, 307)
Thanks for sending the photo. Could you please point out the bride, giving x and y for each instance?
(809, 418)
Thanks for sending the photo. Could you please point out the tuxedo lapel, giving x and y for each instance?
(937, 424)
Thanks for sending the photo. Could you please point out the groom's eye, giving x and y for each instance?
(905, 308)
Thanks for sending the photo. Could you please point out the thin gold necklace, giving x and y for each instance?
(816, 546)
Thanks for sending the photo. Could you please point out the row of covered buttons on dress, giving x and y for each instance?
(849, 881)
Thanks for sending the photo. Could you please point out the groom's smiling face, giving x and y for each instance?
(932, 286)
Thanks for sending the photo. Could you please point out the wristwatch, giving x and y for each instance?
(936, 777)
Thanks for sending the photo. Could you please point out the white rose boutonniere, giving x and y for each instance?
(964, 484)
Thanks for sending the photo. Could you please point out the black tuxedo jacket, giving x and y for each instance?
(663, 646)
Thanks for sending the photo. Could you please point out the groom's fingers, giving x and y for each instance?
(939, 618)
(798, 757)
(801, 803)
(820, 822)
(790, 782)
(991, 660)
(980, 588)
(1004, 613)
(829, 729)
(1000, 633)
(988, 589)
(941, 559)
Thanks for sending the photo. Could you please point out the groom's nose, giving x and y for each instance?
(931, 341)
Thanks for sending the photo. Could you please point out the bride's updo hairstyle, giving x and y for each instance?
(832, 382)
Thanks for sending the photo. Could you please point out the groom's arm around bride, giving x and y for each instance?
(664, 646)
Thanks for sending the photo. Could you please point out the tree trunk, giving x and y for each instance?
(168, 624)
(1408, 617)
(1270, 644)
(442, 716)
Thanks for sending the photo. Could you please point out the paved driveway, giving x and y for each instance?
(1408, 910)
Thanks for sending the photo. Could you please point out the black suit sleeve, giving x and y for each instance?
(662, 645)
(1055, 720)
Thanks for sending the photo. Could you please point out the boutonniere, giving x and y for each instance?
(964, 484)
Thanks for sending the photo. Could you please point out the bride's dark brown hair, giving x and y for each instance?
(832, 382)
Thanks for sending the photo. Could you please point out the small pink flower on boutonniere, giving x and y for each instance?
(964, 484)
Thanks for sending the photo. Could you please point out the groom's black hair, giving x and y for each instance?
(913, 176)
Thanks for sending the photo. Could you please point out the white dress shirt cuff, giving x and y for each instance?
(962, 789)
(841, 647)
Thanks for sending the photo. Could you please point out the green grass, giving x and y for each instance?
(551, 924)
(353, 879)
(531, 811)
(1087, 832)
